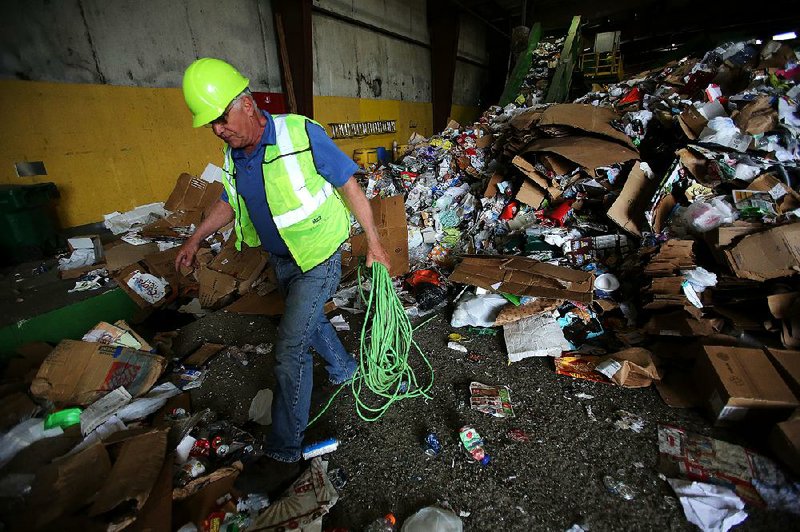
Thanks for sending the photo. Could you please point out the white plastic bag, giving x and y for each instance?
(433, 519)
(477, 311)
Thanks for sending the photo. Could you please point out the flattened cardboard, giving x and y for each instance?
(742, 384)
(768, 255)
(390, 219)
(81, 372)
(589, 118)
(628, 209)
(588, 152)
(123, 254)
(133, 474)
(524, 277)
(66, 485)
(203, 355)
(156, 514)
(251, 303)
(530, 172)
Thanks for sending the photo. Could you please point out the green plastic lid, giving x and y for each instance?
(63, 418)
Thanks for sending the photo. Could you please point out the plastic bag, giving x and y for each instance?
(705, 216)
(478, 311)
(433, 519)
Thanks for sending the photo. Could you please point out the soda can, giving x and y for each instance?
(432, 445)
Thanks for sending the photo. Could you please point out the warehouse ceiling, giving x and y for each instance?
(647, 26)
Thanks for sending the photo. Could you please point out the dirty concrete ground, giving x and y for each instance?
(549, 483)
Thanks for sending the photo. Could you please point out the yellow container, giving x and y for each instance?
(365, 157)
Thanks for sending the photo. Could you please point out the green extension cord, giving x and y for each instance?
(383, 361)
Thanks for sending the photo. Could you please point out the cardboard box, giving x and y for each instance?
(628, 209)
(189, 200)
(81, 372)
(390, 219)
(768, 255)
(740, 384)
(137, 276)
(524, 277)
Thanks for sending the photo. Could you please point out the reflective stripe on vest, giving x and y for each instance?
(309, 203)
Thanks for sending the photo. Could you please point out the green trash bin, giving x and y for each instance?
(28, 226)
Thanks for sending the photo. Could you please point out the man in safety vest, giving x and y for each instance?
(286, 186)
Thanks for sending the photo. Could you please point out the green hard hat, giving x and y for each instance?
(209, 85)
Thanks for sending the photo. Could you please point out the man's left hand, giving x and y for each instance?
(376, 253)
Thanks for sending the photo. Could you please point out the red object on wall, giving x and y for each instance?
(271, 102)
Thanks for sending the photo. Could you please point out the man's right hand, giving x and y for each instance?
(186, 254)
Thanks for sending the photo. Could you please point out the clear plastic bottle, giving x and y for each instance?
(382, 524)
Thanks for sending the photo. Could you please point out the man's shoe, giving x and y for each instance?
(267, 475)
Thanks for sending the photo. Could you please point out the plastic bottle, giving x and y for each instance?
(473, 443)
(382, 524)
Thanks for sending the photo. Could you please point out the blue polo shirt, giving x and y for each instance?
(331, 162)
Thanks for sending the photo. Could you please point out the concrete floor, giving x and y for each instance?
(549, 483)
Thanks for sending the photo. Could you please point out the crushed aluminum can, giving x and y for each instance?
(432, 445)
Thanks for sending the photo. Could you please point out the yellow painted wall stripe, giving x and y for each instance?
(111, 148)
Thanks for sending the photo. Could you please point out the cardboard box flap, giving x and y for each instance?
(245, 265)
(390, 219)
(133, 474)
(768, 255)
(628, 209)
(589, 118)
(588, 152)
(123, 254)
(192, 193)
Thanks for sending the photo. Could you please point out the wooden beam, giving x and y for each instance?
(443, 26)
(293, 20)
(286, 70)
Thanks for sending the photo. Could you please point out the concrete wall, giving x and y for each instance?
(91, 87)
(124, 42)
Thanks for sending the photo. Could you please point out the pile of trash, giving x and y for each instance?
(100, 433)
(659, 209)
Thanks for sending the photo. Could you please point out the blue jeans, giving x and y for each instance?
(303, 325)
